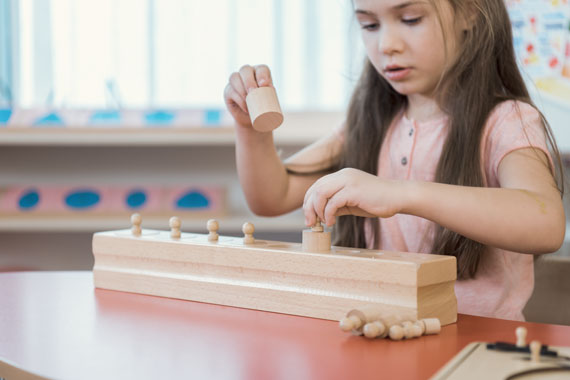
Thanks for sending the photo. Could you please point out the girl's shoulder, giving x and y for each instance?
(513, 114)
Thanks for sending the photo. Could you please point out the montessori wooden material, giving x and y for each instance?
(316, 239)
(275, 276)
(477, 362)
(374, 322)
(264, 109)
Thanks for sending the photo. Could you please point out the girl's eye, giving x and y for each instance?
(369, 27)
(412, 21)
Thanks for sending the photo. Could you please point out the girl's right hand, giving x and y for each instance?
(240, 84)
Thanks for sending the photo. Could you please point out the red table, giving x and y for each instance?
(56, 325)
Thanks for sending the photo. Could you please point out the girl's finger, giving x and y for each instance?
(335, 206)
(247, 74)
(237, 84)
(263, 76)
(233, 99)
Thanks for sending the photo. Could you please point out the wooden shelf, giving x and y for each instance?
(91, 223)
(299, 128)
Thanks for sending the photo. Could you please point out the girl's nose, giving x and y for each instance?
(389, 42)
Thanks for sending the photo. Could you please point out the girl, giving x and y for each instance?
(442, 151)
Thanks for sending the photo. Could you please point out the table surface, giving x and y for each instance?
(57, 325)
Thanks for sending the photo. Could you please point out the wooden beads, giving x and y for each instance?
(373, 322)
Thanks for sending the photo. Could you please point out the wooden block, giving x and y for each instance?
(264, 109)
(276, 276)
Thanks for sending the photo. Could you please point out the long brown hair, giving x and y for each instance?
(484, 74)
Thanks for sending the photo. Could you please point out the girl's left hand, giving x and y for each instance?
(351, 192)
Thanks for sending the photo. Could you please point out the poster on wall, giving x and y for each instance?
(540, 32)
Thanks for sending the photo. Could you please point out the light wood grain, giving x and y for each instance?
(276, 276)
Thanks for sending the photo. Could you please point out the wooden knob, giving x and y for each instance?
(535, 347)
(350, 323)
(396, 332)
(520, 333)
(248, 228)
(174, 222)
(213, 225)
(374, 329)
(264, 109)
(136, 219)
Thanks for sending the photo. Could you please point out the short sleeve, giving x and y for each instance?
(511, 126)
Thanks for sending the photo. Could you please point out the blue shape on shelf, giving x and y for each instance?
(192, 200)
(105, 117)
(136, 198)
(159, 117)
(51, 119)
(5, 115)
(212, 117)
(29, 200)
(82, 199)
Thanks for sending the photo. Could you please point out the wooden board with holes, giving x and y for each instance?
(275, 276)
(476, 362)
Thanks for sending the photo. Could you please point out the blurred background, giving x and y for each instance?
(112, 107)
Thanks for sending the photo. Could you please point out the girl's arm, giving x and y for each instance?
(524, 215)
(268, 188)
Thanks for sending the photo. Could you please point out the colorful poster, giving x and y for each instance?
(540, 31)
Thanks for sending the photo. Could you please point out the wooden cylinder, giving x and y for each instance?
(316, 241)
(264, 109)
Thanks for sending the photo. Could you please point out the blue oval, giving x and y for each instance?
(136, 198)
(29, 200)
(192, 200)
(82, 199)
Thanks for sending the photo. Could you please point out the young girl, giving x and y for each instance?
(442, 151)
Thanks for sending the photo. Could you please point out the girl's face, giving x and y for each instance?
(405, 43)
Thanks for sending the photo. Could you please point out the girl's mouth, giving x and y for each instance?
(397, 73)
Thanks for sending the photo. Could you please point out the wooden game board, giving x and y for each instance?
(275, 276)
(476, 362)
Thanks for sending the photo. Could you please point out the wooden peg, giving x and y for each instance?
(396, 332)
(350, 323)
(520, 333)
(374, 330)
(535, 347)
(408, 331)
(316, 239)
(369, 314)
(213, 227)
(248, 231)
(136, 221)
(264, 109)
(431, 326)
(174, 224)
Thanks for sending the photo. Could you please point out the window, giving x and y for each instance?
(179, 53)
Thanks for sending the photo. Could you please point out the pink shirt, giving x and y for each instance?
(411, 150)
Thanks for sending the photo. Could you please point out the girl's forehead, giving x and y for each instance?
(387, 5)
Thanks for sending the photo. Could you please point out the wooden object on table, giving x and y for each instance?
(264, 109)
(136, 221)
(476, 361)
(276, 276)
(213, 226)
(316, 239)
(520, 333)
(535, 347)
(248, 229)
(175, 225)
